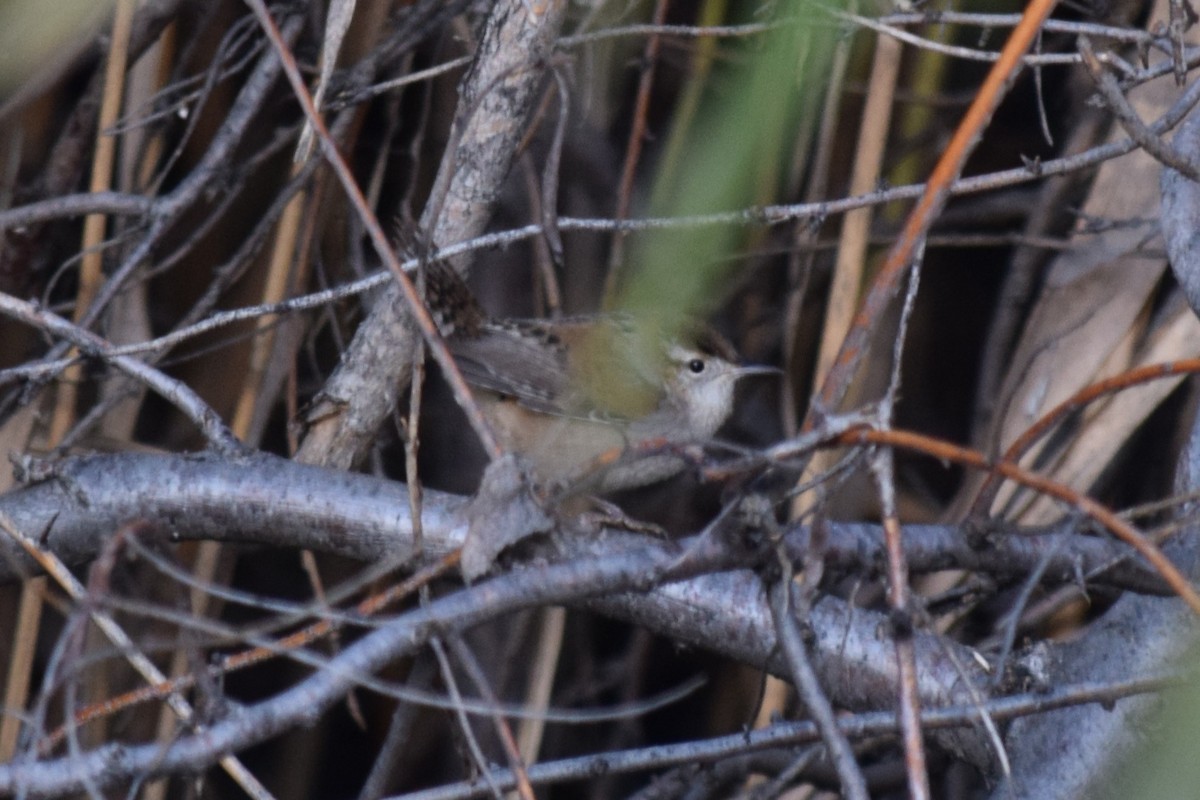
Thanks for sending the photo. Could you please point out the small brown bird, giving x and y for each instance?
(570, 393)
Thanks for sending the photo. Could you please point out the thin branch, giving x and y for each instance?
(383, 247)
(933, 199)
(859, 726)
(854, 786)
(1129, 119)
(1086, 395)
(176, 392)
(1119, 527)
(136, 658)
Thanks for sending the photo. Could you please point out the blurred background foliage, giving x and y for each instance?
(34, 37)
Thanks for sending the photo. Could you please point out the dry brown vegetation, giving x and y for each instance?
(949, 553)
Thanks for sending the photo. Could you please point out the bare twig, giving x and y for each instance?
(140, 662)
(853, 784)
(1128, 117)
(176, 392)
(932, 200)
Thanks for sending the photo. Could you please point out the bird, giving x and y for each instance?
(604, 400)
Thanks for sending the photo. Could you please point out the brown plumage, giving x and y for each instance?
(565, 392)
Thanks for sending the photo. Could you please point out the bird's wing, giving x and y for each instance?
(516, 365)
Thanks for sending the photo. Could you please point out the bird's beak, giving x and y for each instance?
(757, 369)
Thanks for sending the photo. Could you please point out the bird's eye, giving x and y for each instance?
(696, 365)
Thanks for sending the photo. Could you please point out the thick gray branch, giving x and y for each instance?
(267, 500)
(495, 99)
